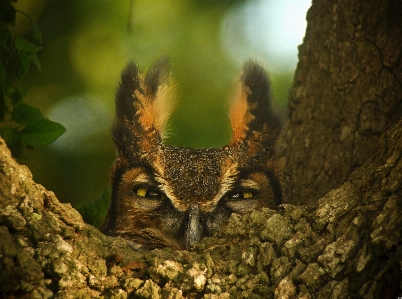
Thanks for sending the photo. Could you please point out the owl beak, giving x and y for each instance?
(193, 225)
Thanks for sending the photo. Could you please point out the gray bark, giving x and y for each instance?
(347, 245)
(346, 92)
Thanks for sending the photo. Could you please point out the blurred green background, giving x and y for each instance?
(87, 43)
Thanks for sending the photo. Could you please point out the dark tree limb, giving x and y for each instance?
(346, 92)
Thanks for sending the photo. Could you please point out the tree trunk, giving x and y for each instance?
(342, 145)
(346, 92)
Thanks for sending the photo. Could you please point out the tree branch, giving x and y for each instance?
(348, 244)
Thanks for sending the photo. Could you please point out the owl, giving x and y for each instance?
(171, 196)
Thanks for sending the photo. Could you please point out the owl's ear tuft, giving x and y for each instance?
(251, 114)
(143, 106)
(161, 88)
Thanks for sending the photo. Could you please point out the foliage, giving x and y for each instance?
(94, 212)
(85, 47)
(21, 125)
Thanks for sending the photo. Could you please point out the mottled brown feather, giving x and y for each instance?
(188, 193)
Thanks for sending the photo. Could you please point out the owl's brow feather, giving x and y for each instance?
(227, 181)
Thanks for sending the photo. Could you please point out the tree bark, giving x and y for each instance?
(348, 244)
(346, 92)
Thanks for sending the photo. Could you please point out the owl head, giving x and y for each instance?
(164, 195)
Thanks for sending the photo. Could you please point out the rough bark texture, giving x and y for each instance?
(348, 244)
(346, 93)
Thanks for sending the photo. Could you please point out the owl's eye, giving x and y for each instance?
(148, 192)
(239, 195)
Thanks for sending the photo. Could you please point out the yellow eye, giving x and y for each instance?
(247, 195)
(241, 195)
(141, 191)
(149, 192)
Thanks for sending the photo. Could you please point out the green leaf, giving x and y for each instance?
(94, 212)
(22, 45)
(23, 64)
(25, 114)
(15, 95)
(35, 60)
(26, 54)
(36, 31)
(41, 133)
